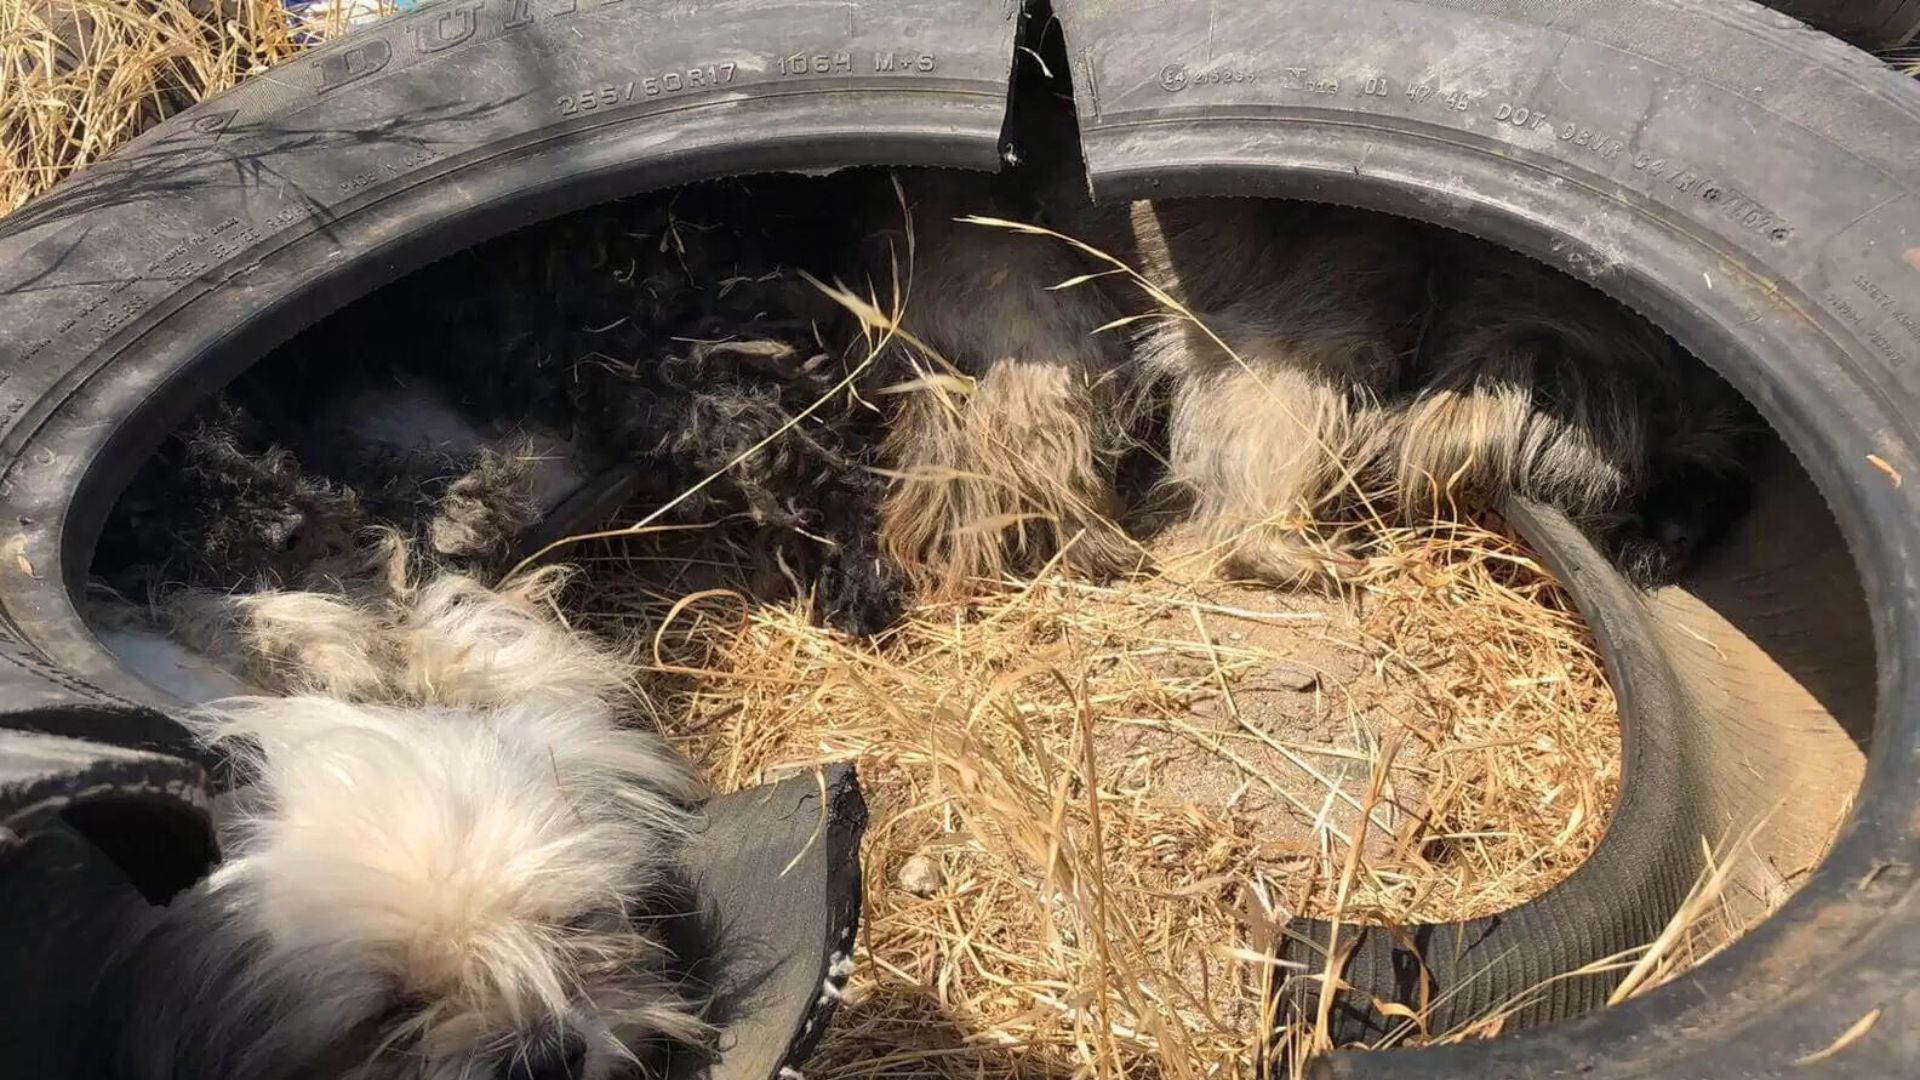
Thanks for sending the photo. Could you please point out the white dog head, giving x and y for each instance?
(432, 893)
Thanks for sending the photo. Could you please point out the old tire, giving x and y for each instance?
(1748, 184)
(1680, 186)
(131, 292)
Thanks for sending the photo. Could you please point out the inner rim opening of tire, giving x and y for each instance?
(1341, 701)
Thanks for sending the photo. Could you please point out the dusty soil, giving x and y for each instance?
(1285, 723)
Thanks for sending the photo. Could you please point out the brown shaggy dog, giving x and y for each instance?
(1318, 309)
(1002, 445)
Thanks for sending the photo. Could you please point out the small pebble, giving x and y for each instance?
(921, 876)
(1294, 676)
(1208, 706)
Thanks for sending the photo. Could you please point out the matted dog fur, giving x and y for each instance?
(667, 336)
(446, 862)
(1338, 361)
(1535, 384)
(1010, 408)
(1318, 310)
(673, 333)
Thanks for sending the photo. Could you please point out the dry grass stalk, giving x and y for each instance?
(1903, 58)
(80, 77)
(1519, 727)
(1092, 912)
(1089, 918)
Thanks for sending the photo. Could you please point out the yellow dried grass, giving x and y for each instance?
(80, 77)
(1091, 917)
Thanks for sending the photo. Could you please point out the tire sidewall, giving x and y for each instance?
(134, 290)
(1746, 184)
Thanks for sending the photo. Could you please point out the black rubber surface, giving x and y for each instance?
(1745, 692)
(86, 832)
(146, 812)
(1743, 181)
(777, 874)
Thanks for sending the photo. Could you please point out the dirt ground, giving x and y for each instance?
(1283, 720)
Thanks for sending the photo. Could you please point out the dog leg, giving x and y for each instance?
(1003, 450)
(1295, 326)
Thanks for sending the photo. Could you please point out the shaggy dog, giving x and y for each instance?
(446, 862)
(1534, 384)
(1322, 373)
(1303, 319)
(1010, 413)
(675, 334)
(667, 339)
(672, 340)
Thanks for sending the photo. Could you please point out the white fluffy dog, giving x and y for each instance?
(444, 864)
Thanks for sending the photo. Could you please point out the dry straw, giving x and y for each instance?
(1071, 906)
(80, 77)
(1047, 891)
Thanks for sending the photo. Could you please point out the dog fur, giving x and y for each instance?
(392, 635)
(1010, 407)
(443, 864)
(671, 335)
(1535, 384)
(484, 510)
(225, 502)
(803, 499)
(674, 334)
(231, 502)
(665, 336)
(1317, 309)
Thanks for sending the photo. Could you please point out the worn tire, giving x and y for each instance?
(1617, 899)
(1748, 184)
(1681, 186)
(129, 293)
(1752, 676)
(132, 289)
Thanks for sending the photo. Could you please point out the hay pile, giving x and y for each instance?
(1082, 793)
